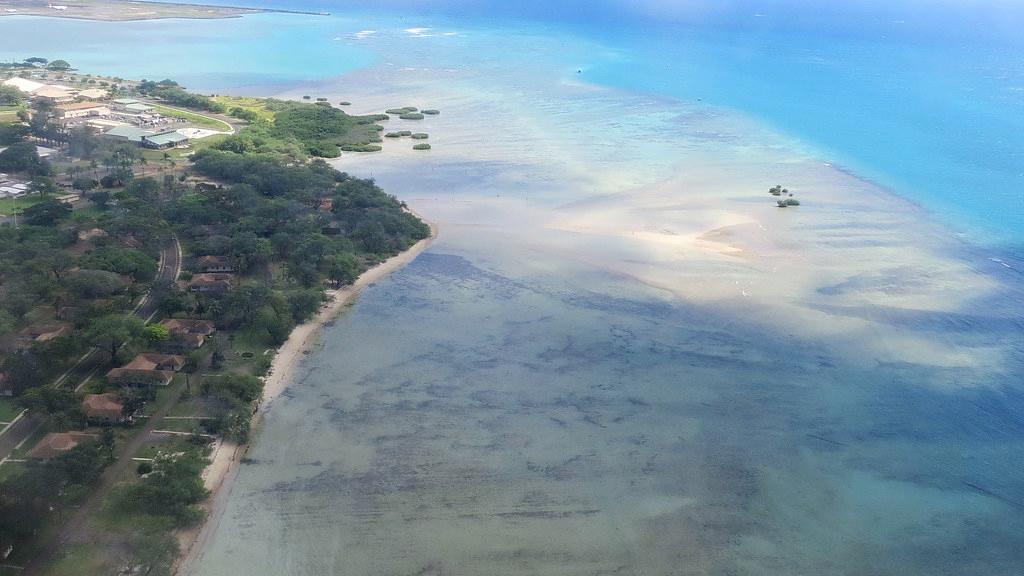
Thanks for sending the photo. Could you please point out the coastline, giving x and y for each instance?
(138, 10)
(226, 459)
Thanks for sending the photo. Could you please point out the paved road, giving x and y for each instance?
(93, 361)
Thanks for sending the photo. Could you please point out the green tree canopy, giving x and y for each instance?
(110, 332)
(20, 157)
(47, 212)
(10, 96)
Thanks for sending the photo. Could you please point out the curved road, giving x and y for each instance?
(15, 434)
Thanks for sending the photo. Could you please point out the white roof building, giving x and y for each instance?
(24, 84)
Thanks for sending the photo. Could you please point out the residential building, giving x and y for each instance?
(146, 370)
(57, 444)
(211, 283)
(188, 334)
(104, 408)
(42, 333)
(215, 264)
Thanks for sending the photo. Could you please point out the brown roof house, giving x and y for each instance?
(104, 408)
(215, 264)
(147, 370)
(57, 444)
(41, 333)
(188, 334)
(211, 283)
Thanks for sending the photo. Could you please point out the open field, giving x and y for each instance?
(211, 123)
(9, 205)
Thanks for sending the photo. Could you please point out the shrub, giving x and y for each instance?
(393, 135)
(144, 468)
(788, 202)
(405, 110)
(431, 112)
(305, 97)
(421, 147)
(420, 136)
(412, 116)
(344, 103)
(361, 148)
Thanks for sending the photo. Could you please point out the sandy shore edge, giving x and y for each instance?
(226, 459)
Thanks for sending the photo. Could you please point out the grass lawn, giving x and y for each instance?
(211, 123)
(9, 409)
(10, 470)
(181, 426)
(82, 560)
(246, 353)
(7, 205)
(162, 392)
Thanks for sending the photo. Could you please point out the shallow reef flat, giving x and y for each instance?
(621, 357)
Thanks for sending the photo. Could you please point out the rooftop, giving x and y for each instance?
(24, 84)
(102, 405)
(58, 443)
(185, 326)
(53, 92)
(80, 106)
(155, 362)
(129, 133)
(172, 137)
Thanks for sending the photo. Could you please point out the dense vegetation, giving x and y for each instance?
(288, 225)
(169, 91)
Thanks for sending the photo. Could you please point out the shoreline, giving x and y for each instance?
(226, 459)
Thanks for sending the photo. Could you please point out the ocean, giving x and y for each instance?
(619, 357)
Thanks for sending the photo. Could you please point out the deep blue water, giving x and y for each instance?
(926, 98)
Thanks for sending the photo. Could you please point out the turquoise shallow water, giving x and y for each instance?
(209, 55)
(927, 99)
